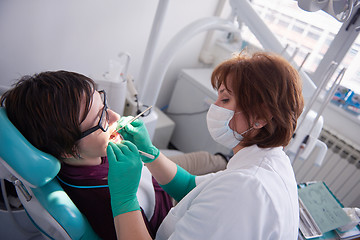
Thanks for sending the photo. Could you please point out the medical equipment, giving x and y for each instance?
(307, 224)
(354, 214)
(339, 9)
(320, 210)
(196, 86)
(114, 82)
(133, 119)
(42, 197)
(325, 102)
(116, 137)
(243, 11)
(151, 78)
(136, 117)
(330, 71)
(159, 69)
(149, 85)
(146, 155)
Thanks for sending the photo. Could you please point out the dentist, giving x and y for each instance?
(259, 101)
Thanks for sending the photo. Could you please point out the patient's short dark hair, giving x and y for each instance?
(45, 108)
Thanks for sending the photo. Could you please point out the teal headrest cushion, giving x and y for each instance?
(27, 162)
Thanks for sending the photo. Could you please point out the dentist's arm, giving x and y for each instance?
(131, 226)
(172, 178)
(123, 179)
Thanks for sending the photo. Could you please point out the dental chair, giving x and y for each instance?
(33, 174)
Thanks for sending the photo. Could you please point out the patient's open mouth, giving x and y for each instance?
(115, 137)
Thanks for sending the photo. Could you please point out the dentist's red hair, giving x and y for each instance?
(266, 86)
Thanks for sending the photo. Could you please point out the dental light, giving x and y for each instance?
(339, 9)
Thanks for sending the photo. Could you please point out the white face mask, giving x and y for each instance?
(218, 119)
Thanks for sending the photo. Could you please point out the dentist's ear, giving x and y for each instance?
(259, 124)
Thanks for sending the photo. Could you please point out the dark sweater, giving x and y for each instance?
(94, 201)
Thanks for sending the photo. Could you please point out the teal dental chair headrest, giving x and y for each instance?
(27, 162)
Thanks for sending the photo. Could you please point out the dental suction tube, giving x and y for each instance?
(153, 85)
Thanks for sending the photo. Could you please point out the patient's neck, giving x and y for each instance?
(82, 161)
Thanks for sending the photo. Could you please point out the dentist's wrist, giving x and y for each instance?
(150, 154)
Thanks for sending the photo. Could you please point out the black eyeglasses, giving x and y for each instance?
(103, 123)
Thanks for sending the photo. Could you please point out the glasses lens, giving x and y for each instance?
(104, 115)
(105, 120)
(102, 96)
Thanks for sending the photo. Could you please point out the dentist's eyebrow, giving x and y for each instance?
(225, 91)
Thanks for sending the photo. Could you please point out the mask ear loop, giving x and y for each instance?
(241, 134)
(251, 128)
(247, 131)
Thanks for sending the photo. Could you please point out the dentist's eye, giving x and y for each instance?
(225, 100)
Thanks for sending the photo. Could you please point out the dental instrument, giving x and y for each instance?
(135, 118)
(146, 154)
(116, 137)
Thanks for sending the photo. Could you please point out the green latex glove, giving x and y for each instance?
(180, 185)
(137, 133)
(123, 176)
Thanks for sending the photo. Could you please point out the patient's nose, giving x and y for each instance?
(113, 116)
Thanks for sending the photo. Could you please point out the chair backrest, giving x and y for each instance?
(33, 173)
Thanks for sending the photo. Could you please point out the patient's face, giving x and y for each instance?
(94, 145)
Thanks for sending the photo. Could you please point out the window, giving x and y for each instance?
(351, 62)
(283, 23)
(325, 46)
(312, 32)
(315, 36)
(298, 29)
(270, 17)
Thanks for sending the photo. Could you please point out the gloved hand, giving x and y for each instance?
(137, 133)
(123, 176)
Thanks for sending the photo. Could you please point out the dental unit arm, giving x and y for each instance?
(339, 9)
(243, 11)
(153, 76)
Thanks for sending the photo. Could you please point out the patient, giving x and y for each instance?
(62, 114)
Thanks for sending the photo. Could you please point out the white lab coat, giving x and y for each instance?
(254, 198)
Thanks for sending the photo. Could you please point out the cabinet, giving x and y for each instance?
(188, 107)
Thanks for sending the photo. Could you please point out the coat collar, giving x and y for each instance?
(252, 155)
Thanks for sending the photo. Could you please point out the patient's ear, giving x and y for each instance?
(65, 156)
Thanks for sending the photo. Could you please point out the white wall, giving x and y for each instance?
(83, 35)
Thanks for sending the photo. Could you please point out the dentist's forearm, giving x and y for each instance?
(176, 181)
(131, 226)
(163, 169)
